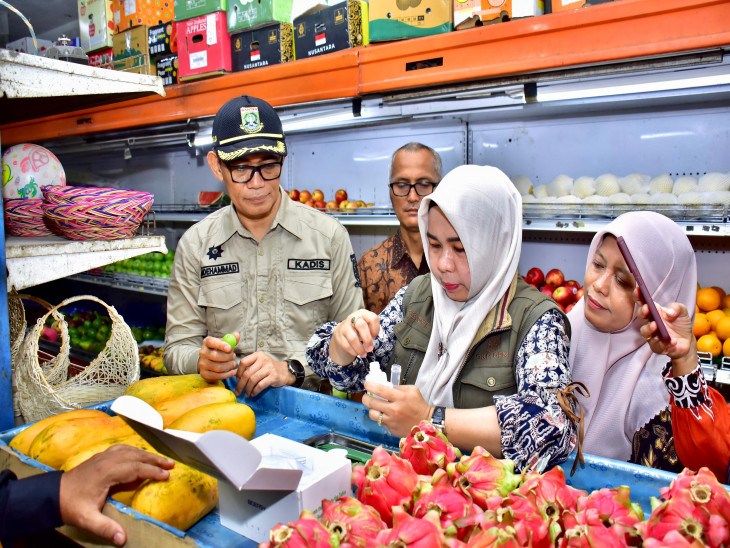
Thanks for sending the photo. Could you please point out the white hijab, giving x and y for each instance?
(485, 209)
(619, 369)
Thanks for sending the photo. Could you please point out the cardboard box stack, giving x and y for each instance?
(324, 29)
(470, 13)
(162, 41)
(398, 19)
(263, 46)
(244, 14)
(203, 42)
(131, 51)
(133, 13)
(96, 30)
(555, 6)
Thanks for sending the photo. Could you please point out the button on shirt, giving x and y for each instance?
(275, 293)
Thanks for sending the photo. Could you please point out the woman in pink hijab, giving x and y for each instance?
(628, 416)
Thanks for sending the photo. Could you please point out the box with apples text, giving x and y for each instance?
(187, 9)
(132, 13)
(471, 13)
(324, 29)
(262, 47)
(261, 483)
(96, 24)
(203, 46)
(244, 14)
(399, 19)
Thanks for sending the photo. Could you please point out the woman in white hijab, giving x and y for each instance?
(627, 416)
(483, 354)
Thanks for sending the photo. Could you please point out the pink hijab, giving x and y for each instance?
(619, 369)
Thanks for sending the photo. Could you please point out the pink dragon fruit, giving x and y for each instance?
(481, 476)
(551, 487)
(306, 532)
(680, 514)
(533, 520)
(673, 539)
(449, 503)
(586, 530)
(615, 508)
(703, 489)
(427, 449)
(384, 482)
(412, 532)
(352, 521)
(506, 537)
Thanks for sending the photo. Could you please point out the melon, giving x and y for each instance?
(208, 198)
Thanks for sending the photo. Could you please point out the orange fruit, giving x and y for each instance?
(709, 343)
(723, 328)
(701, 326)
(726, 301)
(726, 348)
(715, 316)
(721, 291)
(726, 311)
(708, 299)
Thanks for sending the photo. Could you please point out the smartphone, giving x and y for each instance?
(645, 293)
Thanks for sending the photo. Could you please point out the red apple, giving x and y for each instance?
(579, 295)
(320, 204)
(310, 203)
(294, 194)
(535, 277)
(573, 285)
(555, 276)
(317, 196)
(563, 295)
(305, 196)
(340, 196)
(548, 289)
(331, 205)
(569, 307)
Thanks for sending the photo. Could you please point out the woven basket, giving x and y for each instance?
(24, 217)
(47, 389)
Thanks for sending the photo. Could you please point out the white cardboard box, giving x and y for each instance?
(261, 483)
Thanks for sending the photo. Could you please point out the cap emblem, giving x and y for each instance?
(250, 121)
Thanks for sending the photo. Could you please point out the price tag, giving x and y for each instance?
(722, 376)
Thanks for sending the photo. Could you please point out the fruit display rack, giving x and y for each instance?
(131, 282)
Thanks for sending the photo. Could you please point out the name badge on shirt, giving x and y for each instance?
(308, 264)
(219, 270)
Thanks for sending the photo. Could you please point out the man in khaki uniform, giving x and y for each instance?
(265, 268)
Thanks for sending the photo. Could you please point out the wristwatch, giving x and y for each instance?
(438, 419)
(296, 369)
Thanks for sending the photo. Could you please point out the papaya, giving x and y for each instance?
(181, 500)
(135, 440)
(23, 440)
(158, 389)
(56, 443)
(173, 408)
(232, 416)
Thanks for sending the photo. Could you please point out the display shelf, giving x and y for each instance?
(33, 261)
(131, 282)
(608, 34)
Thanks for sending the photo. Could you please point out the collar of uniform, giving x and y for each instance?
(287, 217)
(498, 318)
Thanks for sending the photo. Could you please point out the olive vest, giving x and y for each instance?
(488, 369)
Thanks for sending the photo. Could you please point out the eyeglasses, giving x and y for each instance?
(243, 174)
(423, 188)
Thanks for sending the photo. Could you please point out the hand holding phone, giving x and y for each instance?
(645, 293)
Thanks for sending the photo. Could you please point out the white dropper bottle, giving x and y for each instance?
(378, 376)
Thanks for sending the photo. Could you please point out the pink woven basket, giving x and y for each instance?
(24, 217)
(83, 213)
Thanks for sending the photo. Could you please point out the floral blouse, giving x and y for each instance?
(535, 430)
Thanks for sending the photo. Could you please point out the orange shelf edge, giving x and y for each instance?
(607, 32)
(623, 29)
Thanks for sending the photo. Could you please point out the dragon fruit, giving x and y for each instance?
(427, 449)
(384, 482)
(306, 532)
(673, 539)
(481, 476)
(533, 520)
(353, 522)
(449, 503)
(586, 530)
(703, 488)
(615, 508)
(507, 537)
(551, 492)
(412, 532)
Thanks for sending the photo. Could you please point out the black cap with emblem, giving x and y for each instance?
(246, 125)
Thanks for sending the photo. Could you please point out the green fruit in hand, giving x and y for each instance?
(230, 339)
(339, 393)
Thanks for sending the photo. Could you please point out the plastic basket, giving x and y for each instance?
(24, 217)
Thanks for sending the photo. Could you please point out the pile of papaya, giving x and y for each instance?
(186, 402)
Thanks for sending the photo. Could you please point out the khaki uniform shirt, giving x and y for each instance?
(275, 293)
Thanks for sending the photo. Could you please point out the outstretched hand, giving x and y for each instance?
(84, 489)
(404, 408)
(354, 337)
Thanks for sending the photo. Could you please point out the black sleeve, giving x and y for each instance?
(29, 505)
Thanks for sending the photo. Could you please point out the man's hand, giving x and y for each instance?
(354, 337)
(217, 360)
(258, 371)
(84, 489)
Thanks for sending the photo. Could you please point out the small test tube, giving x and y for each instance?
(395, 375)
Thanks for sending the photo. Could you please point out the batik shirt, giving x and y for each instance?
(386, 268)
(534, 431)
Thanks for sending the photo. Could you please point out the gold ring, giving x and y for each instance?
(353, 320)
(647, 339)
(380, 419)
